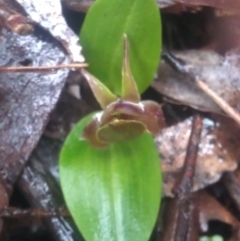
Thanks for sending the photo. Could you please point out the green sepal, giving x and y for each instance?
(129, 87)
(102, 94)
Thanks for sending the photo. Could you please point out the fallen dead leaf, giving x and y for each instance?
(48, 14)
(27, 99)
(210, 209)
(221, 74)
(232, 182)
(218, 151)
(227, 5)
(223, 4)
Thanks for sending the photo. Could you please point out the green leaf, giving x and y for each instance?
(112, 193)
(102, 40)
(213, 238)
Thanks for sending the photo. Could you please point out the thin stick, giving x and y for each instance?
(42, 68)
(219, 101)
(183, 214)
(183, 186)
(185, 199)
(10, 212)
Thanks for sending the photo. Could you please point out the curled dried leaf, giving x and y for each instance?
(218, 151)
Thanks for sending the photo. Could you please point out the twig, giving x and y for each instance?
(42, 68)
(219, 101)
(184, 186)
(183, 212)
(10, 212)
(187, 218)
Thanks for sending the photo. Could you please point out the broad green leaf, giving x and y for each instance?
(102, 40)
(113, 193)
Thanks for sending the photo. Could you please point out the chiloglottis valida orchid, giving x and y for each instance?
(123, 118)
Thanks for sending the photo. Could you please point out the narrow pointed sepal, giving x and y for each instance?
(103, 95)
(129, 87)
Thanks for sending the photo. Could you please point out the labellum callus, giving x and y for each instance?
(120, 130)
(123, 118)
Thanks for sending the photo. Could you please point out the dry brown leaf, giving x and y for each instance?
(223, 4)
(211, 209)
(83, 5)
(227, 5)
(219, 73)
(48, 14)
(232, 183)
(27, 99)
(218, 151)
(224, 31)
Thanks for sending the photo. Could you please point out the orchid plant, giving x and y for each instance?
(109, 165)
(123, 118)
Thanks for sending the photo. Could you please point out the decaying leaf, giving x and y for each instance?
(218, 151)
(221, 74)
(232, 182)
(223, 4)
(78, 5)
(211, 209)
(26, 99)
(83, 5)
(4, 201)
(39, 184)
(224, 32)
(14, 21)
(48, 14)
(206, 208)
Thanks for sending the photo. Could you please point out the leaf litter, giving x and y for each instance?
(27, 99)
